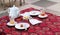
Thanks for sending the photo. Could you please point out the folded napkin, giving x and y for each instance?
(34, 21)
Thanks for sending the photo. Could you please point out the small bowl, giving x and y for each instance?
(9, 24)
(40, 16)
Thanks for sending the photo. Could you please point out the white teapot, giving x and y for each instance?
(13, 12)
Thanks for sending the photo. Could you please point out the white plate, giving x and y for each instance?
(25, 26)
(9, 24)
(34, 12)
(43, 16)
(34, 21)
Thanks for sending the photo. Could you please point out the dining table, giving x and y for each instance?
(49, 25)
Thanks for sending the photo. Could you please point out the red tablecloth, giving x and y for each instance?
(50, 26)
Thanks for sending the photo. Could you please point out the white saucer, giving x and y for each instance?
(9, 24)
(34, 13)
(25, 26)
(43, 16)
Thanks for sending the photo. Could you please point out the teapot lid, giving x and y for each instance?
(13, 5)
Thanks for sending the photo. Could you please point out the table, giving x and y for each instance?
(49, 26)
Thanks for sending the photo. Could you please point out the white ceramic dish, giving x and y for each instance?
(26, 14)
(9, 24)
(34, 13)
(43, 16)
(34, 21)
(25, 26)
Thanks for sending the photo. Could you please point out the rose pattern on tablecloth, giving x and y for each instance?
(49, 26)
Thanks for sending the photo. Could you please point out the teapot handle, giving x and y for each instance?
(18, 12)
(8, 10)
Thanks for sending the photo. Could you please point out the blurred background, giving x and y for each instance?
(52, 6)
